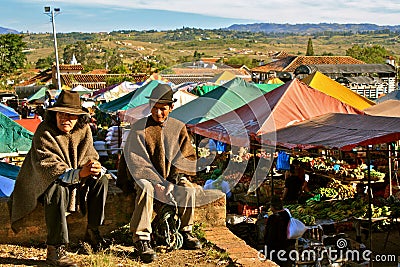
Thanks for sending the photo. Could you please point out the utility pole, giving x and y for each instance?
(52, 13)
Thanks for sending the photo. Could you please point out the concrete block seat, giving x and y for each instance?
(118, 212)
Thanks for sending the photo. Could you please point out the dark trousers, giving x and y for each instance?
(56, 200)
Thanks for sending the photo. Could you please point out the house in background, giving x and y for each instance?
(368, 80)
(283, 66)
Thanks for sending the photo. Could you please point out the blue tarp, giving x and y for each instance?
(9, 112)
(8, 175)
(9, 170)
(6, 186)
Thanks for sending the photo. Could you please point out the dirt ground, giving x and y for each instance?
(12, 255)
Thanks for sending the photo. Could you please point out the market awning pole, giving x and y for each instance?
(390, 168)
(369, 201)
(254, 173)
(271, 171)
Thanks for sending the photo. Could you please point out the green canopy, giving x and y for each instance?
(130, 100)
(120, 103)
(38, 95)
(268, 87)
(141, 93)
(221, 100)
(202, 90)
(13, 137)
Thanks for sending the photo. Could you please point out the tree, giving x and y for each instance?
(310, 49)
(11, 56)
(371, 54)
(79, 49)
(44, 63)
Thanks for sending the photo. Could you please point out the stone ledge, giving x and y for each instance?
(119, 208)
(237, 248)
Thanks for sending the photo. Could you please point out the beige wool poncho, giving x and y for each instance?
(156, 153)
(52, 153)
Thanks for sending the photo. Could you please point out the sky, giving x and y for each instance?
(113, 15)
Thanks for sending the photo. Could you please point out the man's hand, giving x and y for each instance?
(92, 167)
(164, 193)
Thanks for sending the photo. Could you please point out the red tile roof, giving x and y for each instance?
(95, 81)
(98, 71)
(74, 67)
(42, 77)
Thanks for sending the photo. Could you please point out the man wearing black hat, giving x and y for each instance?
(157, 153)
(61, 165)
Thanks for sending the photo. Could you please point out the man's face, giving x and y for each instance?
(160, 111)
(66, 122)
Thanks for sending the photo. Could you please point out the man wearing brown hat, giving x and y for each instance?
(158, 151)
(61, 165)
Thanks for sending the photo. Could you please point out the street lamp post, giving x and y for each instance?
(52, 13)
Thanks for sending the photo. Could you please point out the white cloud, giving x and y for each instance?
(291, 11)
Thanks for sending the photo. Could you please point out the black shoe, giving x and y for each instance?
(95, 240)
(146, 253)
(189, 241)
(57, 256)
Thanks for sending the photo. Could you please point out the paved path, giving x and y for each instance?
(238, 250)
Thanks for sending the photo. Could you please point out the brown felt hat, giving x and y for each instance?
(68, 102)
(162, 93)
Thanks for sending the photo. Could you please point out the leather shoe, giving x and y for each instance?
(57, 256)
(95, 240)
(145, 251)
(189, 241)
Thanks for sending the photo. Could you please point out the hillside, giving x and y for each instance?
(5, 30)
(309, 28)
(172, 47)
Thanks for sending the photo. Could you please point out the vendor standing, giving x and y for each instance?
(293, 184)
(61, 171)
(275, 237)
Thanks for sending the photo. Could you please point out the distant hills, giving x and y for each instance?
(310, 28)
(5, 31)
(303, 28)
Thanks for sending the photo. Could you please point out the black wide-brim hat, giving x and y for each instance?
(68, 102)
(162, 93)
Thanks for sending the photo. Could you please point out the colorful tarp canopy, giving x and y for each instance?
(8, 175)
(343, 131)
(265, 88)
(221, 100)
(394, 95)
(132, 99)
(120, 103)
(115, 91)
(81, 90)
(330, 87)
(9, 170)
(9, 112)
(290, 103)
(389, 108)
(6, 186)
(275, 80)
(39, 96)
(131, 115)
(222, 77)
(13, 137)
(30, 124)
(140, 97)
